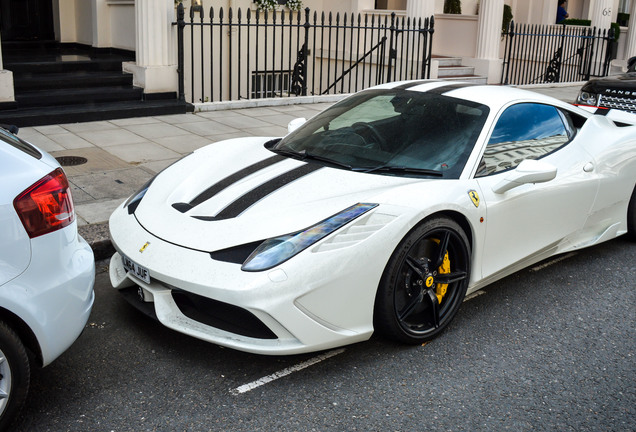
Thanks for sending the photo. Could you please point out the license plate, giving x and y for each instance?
(136, 270)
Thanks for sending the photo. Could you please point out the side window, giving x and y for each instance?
(525, 131)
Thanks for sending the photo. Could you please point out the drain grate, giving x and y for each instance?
(71, 160)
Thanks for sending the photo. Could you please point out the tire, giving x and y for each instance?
(424, 282)
(631, 217)
(14, 375)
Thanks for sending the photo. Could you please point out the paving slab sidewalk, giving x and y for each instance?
(121, 155)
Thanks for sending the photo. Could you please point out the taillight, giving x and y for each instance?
(47, 205)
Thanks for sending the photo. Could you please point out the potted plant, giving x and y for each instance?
(452, 6)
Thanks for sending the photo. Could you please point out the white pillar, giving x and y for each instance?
(420, 9)
(486, 61)
(101, 24)
(6, 82)
(154, 69)
(630, 45)
(489, 29)
(548, 12)
(601, 13)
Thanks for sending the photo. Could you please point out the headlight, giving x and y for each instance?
(587, 98)
(275, 251)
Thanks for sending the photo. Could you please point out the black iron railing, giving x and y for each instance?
(537, 54)
(284, 54)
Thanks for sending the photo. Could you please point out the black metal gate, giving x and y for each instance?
(285, 54)
(537, 54)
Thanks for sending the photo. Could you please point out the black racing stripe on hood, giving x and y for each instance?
(252, 197)
(227, 182)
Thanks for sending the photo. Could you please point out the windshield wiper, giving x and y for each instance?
(304, 155)
(401, 170)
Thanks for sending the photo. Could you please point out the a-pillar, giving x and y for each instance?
(155, 68)
(6, 83)
(487, 62)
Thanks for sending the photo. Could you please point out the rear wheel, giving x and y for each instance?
(424, 283)
(14, 375)
(631, 217)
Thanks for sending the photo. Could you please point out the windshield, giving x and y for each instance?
(394, 132)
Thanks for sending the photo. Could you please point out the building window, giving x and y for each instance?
(270, 84)
(390, 4)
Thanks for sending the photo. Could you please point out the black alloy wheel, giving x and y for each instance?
(424, 283)
(631, 217)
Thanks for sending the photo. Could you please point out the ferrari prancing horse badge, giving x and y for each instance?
(143, 248)
(474, 197)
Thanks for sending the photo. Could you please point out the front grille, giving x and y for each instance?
(618, 102)
(221, 315)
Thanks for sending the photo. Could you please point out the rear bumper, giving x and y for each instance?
(54, 295)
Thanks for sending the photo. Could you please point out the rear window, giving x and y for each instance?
(16, 142)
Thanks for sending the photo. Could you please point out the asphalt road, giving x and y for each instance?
(549, 348)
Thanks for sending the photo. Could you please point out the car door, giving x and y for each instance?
(534, 217)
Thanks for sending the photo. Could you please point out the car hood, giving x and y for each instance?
(625, 82)
(237, 192)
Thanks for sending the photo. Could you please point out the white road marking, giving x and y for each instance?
(287, 371)
(473, 295)
(554, 261)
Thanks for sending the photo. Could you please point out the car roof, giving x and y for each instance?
(493, 96)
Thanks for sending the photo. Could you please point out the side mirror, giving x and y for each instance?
(295, 124)
(528, 171)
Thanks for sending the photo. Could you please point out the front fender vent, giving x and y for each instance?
(359, 231)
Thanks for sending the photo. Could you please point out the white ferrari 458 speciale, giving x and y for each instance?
(379, 214)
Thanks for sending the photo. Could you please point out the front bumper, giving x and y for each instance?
(318, 300)
(287, 329)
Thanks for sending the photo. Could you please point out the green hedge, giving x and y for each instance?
(507, 17)
(452, 6)
(582, 22)
(575, 21)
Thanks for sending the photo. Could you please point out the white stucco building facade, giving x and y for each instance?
(145, 27)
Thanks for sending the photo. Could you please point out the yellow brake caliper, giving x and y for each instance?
(440, 289)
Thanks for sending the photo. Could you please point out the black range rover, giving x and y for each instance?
(616, 92)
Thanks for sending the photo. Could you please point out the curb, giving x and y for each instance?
(98, 237)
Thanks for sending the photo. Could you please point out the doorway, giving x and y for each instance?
(26, 20)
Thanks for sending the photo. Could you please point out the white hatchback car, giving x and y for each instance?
(47, 270)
